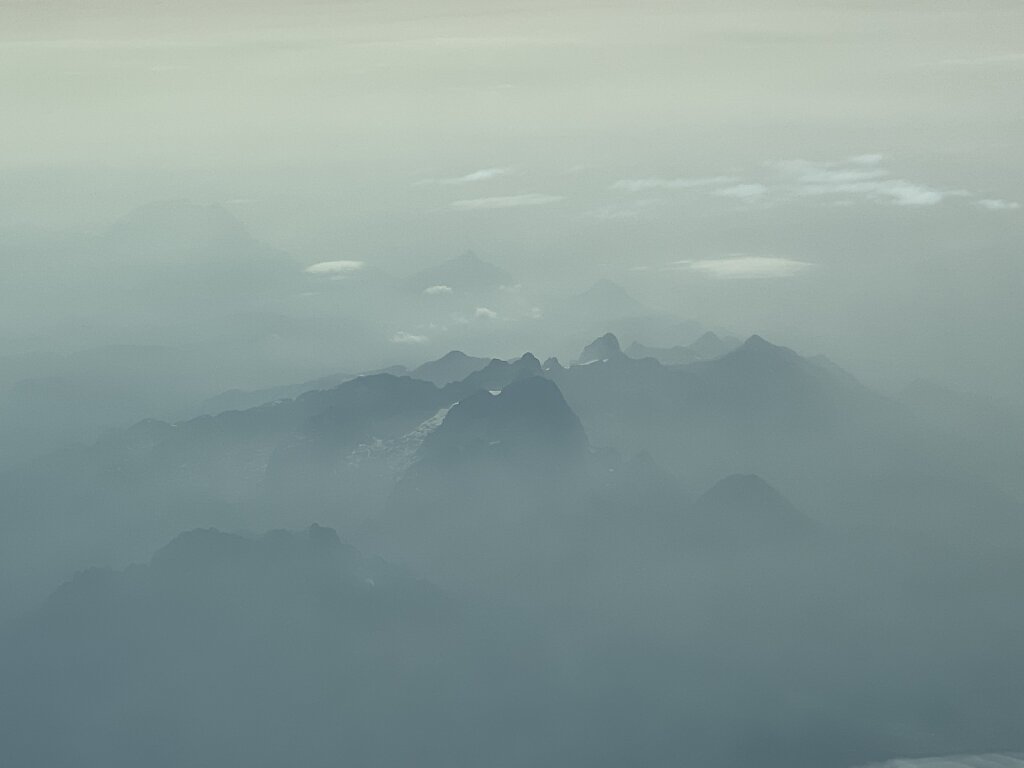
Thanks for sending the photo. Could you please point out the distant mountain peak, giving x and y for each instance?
(711, 345)
(466, 272)
(604, 348)
(757, 348)
(748, 484)
(606, 300)
(605, 287)
(179, 224)
(454, 366)
(745, 506)
(749, 490)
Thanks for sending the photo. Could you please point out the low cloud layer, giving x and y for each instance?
(403, 337)
(437, 290)
(857, 179)
(861, 178)
(339, 268)
(744, 267)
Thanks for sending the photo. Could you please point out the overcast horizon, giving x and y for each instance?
(842, 177)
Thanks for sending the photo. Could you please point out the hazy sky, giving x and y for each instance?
(843, 176)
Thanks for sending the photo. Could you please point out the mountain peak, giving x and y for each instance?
(605, 300)
(527, 364)
(464, 273)
(605, 287)
(711, 345)
(496, 375)
(454, 366)
(745, 506)
(604, 348)
(757, 348)
(529, 417)
(174, 225)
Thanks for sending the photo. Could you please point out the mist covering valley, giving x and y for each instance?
(530, 385)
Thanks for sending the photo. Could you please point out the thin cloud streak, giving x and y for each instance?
(507, 201)
(999, 205)
(743, 191)
(646, 185)
(860, 178)
(484, 174)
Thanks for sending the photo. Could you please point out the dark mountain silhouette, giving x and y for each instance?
(764, 384)
(356, 409)
(496, 375)
(297, 646)
(454, 366)
(551, 365)
(350, 453)
(492, 491)
(764, 380)
(347, 452)
(760, 405)
(605, 348)
(574, 587)
(528, 420)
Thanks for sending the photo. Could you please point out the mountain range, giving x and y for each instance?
(375, 447)
(489, 556)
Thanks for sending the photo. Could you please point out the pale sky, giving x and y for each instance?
(841, 176)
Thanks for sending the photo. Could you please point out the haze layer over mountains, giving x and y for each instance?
(746, 558)
(518, 384)
(302, 529)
